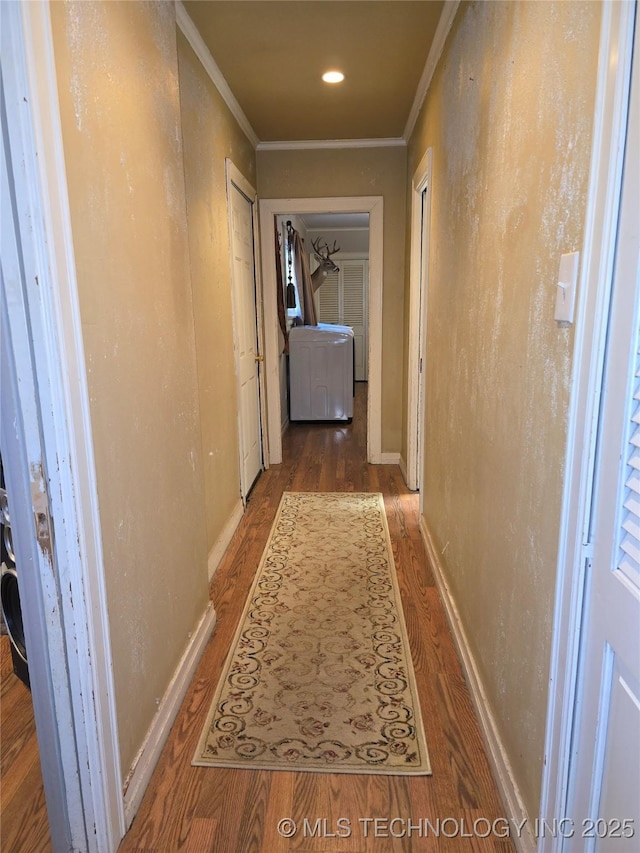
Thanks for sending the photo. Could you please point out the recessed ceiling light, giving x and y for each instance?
(333, 77)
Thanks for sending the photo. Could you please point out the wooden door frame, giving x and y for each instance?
(418, 287)
(609, 136)
(234, 177)
(269, 209)
(66, 619)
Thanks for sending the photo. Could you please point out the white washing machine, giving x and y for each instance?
(321, 373)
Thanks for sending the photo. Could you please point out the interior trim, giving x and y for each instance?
(222, 542)
(437, 46)
(269, 209)
(147, 758)
(515, 811)
(190, 32)
(78, 717)
(402, 463)
(315, 144)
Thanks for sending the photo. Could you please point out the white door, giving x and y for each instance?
(248, 356)
(354, 311)
(419, 268)
(47, 453)
(422, 324)
(342, 299)
(604, 786)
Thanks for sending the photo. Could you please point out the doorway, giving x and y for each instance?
(45, 432)
(270, 209)
(342, 298)
(241, 199)
(344, 295)
(419, 270)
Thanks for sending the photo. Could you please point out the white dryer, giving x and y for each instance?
(321, 373)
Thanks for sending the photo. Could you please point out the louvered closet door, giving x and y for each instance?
(605, 776)
(354, 310)
(329, 299)
(342, 299)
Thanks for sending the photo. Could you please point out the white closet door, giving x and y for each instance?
(354, 310)
(342, 300)
(604, 793)
(245, 319)
(329, 299)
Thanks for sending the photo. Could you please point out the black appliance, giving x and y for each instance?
(9, 593)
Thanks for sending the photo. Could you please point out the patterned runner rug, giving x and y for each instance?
(319, 676)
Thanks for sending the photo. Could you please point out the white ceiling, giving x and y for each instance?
(272, 54)
(335, 221)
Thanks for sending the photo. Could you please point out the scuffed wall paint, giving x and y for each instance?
(117, 76)
(509, 118)
(358, 172)
(211, 134)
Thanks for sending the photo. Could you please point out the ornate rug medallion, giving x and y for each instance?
(319, 676)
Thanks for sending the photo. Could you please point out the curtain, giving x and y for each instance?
(282, 317)
(303, 277)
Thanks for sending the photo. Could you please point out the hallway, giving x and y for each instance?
(118, 299)
(197, 809)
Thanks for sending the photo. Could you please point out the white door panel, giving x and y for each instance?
(247, 338)
(619, 735)
(604, 784)
(342, 300)
(354, 308)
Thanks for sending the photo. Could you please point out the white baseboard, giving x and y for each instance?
(222, 542)
(403, 468)
(387, 459)
(512, 801)
(148, 756)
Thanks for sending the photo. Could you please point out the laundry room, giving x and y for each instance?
(324, 263)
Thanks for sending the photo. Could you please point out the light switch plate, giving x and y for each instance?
(566, 287)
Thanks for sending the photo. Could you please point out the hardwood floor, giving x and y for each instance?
(203, 810)
(198, 809)
(24, 825)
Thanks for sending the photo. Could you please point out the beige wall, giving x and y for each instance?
(509, 119)
(358, 172)
(210, 135)
(117, 72)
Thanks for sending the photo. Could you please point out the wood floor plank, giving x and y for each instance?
(197, 809)
(24, 823)
(279, 809)
(253, 825)
(202, 836)
(224, 797)
(246, 806)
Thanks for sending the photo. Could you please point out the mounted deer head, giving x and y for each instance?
(323, 254)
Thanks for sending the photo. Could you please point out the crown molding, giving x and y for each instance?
(314, 144)
(442, 31)
(333, 228)
(190, 32)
